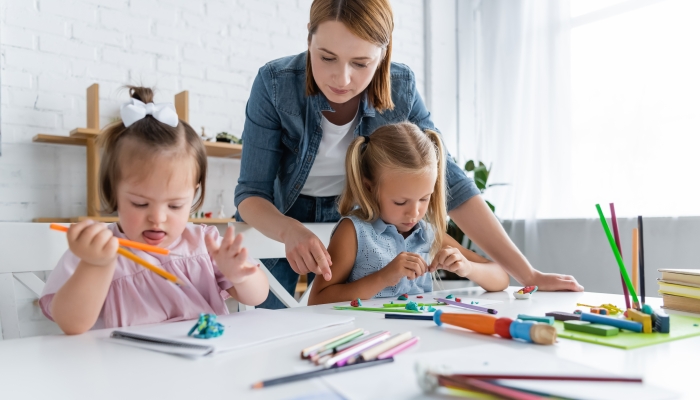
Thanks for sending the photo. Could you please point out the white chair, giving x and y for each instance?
(260, 246)
(26, 247)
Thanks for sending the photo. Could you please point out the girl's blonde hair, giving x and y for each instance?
(401, 147)
(370, 20)
(151, 136)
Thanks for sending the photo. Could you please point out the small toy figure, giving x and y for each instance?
(525, 293)
(356, 303)
(206, 327)
(403, 297)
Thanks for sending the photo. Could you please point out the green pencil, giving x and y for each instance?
(376, 309)
(418, 304)
(620, 263)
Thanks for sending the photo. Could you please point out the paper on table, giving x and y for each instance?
(494, 359)
(242, 329)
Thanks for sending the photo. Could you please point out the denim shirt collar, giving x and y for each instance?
(367, 110)
(380, 227)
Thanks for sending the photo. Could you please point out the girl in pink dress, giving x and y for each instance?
(153, 173)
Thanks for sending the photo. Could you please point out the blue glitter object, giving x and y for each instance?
(206, 327)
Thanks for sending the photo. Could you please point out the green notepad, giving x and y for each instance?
(681, 327)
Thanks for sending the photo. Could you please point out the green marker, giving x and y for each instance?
(393, 310)
(418, 304)
(620, 263)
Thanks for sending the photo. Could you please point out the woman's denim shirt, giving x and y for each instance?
(282, 132)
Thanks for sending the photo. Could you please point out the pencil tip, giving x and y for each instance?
(258, 385)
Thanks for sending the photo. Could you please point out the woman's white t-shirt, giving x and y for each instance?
(327, 175)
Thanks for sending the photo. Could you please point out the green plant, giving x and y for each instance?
(231, 138)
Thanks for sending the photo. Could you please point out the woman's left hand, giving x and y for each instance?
(451, 259)
(231, 257)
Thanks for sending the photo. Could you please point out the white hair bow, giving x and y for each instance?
(136, 110)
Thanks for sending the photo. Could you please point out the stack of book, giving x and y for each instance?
(680, 289)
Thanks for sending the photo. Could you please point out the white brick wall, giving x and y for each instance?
(52, 50)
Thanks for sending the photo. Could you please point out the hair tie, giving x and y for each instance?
(366, 139)
(136, 110)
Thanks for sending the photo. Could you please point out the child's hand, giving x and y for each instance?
(410, 265)
(231, 256)
(451, 259)
(93, 243)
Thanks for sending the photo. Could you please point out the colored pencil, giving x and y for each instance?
(127, 243)
(487, 387)
(323, 356)
(613, 218)
(616, 253)
(635, 259)
(398, 349)
(376, 309)
(408, 316)
(372, 353)
(549, 377)
(305, 352)
(320, 372)
(341, 358)
(138, 260)
(641, 257)
(343, 340)
(418, 304)
(468, 306)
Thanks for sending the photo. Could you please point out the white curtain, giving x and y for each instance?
(520, 90)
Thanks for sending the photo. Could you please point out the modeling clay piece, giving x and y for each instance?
(563, 316)
(420, 297)
(638, 316)
(578, 312)
(662, 323)
(356, 303)
(411, 305)
(646, 309)
(545, 320)
(432, 309)
(525, 293)
(457, 299)
(403, 297)
(206, 327)
(593, 329)
(449, 296)
(422, 308)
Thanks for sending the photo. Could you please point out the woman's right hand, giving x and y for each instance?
(306, 253)
(93, 243)
(410, 265)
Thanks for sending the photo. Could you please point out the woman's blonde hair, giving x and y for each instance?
(401, 147)
(150, 136)
(370, 20)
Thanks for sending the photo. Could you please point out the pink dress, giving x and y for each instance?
(138, 296)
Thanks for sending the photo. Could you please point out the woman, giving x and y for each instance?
(301, 116)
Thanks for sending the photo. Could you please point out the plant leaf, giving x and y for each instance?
(491, 206)
(498, 184)
(469, 166)
(480, 177)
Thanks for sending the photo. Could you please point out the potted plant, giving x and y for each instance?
(228, 138)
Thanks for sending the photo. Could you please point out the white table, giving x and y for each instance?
(87, 366)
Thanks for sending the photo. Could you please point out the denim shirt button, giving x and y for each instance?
(296, 151)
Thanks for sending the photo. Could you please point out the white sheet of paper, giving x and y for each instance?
(398, 380)
(242, 329)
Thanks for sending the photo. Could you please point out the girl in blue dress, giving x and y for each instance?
(392, 234)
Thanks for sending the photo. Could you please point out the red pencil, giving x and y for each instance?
(625, 292)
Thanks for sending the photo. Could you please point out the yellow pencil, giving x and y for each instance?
(138, 260)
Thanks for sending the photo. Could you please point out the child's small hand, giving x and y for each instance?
(451, 259)
(410, 265)
(93, 243)
(231, 256)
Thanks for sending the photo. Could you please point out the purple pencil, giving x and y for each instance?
(468, 306)
(625, 292)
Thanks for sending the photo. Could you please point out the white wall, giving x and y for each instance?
(52, 50)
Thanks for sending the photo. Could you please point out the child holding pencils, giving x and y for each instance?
(392, 235)
(153, 168)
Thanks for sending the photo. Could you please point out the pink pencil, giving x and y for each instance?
(398, 349)
(625, 292)
(342, 357)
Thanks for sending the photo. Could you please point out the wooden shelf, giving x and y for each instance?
(223, 149)
(55, 139)
(115, 219)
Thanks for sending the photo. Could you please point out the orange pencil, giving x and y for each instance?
(127, 243)
(138, 260)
